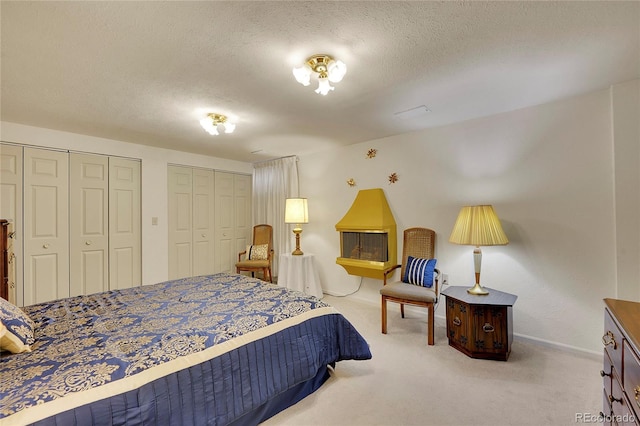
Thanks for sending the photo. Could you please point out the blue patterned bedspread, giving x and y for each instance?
(91, 347)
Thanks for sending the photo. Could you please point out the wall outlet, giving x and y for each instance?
(445, 279)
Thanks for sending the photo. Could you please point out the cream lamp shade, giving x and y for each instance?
(478, 226)
(296, 211)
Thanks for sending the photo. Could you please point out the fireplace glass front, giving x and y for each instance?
(370, 246)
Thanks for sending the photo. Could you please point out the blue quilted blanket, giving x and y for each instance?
(89, 348)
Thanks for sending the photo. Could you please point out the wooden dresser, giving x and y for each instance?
(621, 372)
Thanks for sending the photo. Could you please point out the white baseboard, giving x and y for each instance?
(559, 346)
(523, 337)
(354, 296)
(549, 344)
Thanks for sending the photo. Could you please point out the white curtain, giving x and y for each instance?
(273, 182)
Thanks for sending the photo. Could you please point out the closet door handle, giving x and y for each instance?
(45, 246)
(88, 242)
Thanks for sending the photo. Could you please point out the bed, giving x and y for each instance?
(218, 349)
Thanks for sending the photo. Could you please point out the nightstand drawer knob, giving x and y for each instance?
(488, 328)
(613, 398)
(609, 339)
(456, 321)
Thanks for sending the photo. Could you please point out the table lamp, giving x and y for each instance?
(478, 226)
(296, 212)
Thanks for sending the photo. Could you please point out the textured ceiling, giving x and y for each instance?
(146, 71)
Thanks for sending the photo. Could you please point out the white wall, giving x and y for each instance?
(572, 222)
(547, 170)
(625, 104)
(154, 181)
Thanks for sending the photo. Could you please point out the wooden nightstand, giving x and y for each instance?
(480, 326)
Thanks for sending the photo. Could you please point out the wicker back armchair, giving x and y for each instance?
(262, 235)
(418, 243)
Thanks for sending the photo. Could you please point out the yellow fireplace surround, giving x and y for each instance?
(368, 224)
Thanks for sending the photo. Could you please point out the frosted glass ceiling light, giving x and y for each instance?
(336, 70)
(211, 122)
(303, 75)
(327, 69)
(229, 127)
(323, 86)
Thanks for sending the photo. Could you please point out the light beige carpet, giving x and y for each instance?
(410, 383)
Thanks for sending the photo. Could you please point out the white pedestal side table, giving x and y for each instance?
(299, 273)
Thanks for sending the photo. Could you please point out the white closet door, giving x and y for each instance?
(232, 217)
(203, 238)
(11, 205)
(125, 241)
(180, 221)
(226, 248)
(243, 229)
(209, 220)
(46, 227)
(88, 223)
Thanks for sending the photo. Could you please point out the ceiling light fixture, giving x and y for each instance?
(327, 68)
(211, 122)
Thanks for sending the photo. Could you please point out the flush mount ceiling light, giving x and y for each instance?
(211, 122)
(327, 68)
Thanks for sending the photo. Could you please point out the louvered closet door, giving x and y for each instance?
(125, 236)
(46, 231)
(88, 223)
(11, 205)
(203, 238)
(180, 221)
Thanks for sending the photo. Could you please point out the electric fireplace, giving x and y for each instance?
(368, 239)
